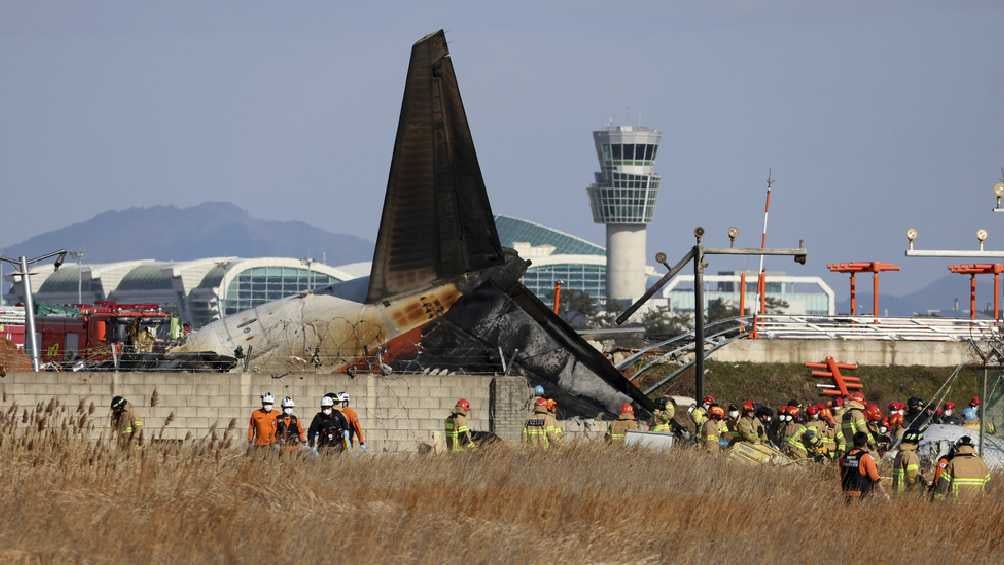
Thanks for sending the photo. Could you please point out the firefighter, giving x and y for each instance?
(939, 468)
(859, 475)
(731, 432)
(793, 434)
(263, 424)
(699, 414)
(877, 427)
(906, 476)
(663, 415)
(625, 422)
(750, 429)
(966, 475)
(538, 392)
(897, 420)
(126, 425)
(771, 424)
(970, 419)
(329, 430)
(916, 416)
(289, 430)
(974, 407)
(711, 431)
(458, 435)
(949, 416)
(343, 399)
(833, 437)
(853, 419)
(541, 428)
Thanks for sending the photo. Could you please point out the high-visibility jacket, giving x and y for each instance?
(126, 425)
(661, 419)
(262, 427)
(854, 421)
(906, 469)
(542, 429)
(965, 476)
(618, 429)
(710, 434)
(458, 435)
(793, 444)
(750, 430)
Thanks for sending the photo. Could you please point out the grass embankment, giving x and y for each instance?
(70, 500)
(775, 383)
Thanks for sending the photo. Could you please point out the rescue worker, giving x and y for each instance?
(263, 424)
(538, 392)
(916, 416)
(711, 431)
(826, 444)
(343, 399)
(126, 425)
(906, 476)
(949, 416)
(794, 442)
(750, 429)
(975, 403)
(770, 425)
(699, 414)
(897, 420)
(329, 430)
(458, 435)
(289, 431)
(859, 474)
(853, 419)
(876, 427)
(625, 422)
(966, 475)
(541, 428)
(663, 416)
(833, 436)
(939, 468)
(731, 433)
(970, 420)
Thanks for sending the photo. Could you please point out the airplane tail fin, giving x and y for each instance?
(437, 221)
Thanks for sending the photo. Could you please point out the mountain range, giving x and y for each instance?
(937, 297)
(210, 229)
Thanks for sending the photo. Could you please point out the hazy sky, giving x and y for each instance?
(874, 116)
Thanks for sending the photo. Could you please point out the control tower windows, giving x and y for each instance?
(649, 150)
(628, 151)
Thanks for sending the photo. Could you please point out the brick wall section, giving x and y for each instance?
(398, 413)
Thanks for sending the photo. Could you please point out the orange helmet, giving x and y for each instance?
(463, 405)
(541, 401)
(716, 412)
(856, 396)
(896, 420)
(627, 409)
(791, 410)
(552, 405)
(748, 406)
(872, 412)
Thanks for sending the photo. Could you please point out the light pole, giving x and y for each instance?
(308, 261)
(697, 253)
(29, 305)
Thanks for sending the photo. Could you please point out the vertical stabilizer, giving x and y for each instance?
(437, 221)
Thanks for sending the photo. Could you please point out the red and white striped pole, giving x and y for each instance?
(761, 283)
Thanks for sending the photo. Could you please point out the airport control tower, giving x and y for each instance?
(623, 198)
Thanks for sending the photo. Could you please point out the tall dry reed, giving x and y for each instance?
(69, 499)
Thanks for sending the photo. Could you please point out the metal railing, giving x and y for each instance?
(867, 327)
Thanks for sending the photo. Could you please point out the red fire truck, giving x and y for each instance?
(12, 325)
(87, 331)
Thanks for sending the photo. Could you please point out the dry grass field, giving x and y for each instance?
(72, 501)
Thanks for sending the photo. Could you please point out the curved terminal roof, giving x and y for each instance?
(516, 230)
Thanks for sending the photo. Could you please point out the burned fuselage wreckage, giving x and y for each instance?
(442, 292)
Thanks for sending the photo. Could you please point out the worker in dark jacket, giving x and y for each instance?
(329, 430)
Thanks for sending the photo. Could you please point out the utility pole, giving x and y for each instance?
(697, 254)
(23, 263)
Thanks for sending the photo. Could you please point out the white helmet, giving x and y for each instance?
(344, 397)
(288, 402)
(267, 398)
(327, 402)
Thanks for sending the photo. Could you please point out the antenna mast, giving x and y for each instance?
(761, 284)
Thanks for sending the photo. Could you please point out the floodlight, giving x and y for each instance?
(661, 258)
(698, 232)
(911, 234)
(733, 234)
(981, 236)
(999, 189)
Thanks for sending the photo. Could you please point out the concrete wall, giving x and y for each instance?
(398, 413)
(863, 352)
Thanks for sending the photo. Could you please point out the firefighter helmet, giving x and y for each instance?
(327, 401)
(626, 409)
(872, 412)
(463, 406)
(267, 398)
(975, 401)
(118, 402)
(856, 396)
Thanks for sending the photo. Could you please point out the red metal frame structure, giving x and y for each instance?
(873, 267)
(973, 269)
(830, 369)
(556, 304)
